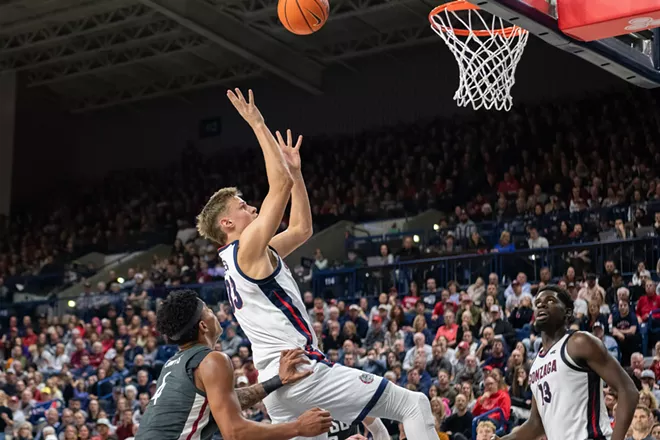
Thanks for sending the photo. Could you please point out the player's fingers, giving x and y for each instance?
(297, 352)
(284, 353)
(289, 141)
(250, 97)
(299, 143)
(240, 95)
(280, 140)
(298, 361)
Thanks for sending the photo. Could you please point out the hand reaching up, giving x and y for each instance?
(291, 152)
(247, 109)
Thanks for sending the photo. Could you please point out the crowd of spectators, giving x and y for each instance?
(534, 160)
(468, 347)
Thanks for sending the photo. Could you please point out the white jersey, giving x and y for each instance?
(270, 311)
(569, 397)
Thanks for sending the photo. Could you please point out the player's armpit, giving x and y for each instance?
(250, 396)
(531, 429)
(586, 348)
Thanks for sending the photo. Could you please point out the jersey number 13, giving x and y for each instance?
(546, 395)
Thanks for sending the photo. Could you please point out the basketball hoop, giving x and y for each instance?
(487, 58)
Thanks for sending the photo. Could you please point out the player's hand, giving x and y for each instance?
(494, 437)
(247, 109)
(314, 422)
(357, 437)
(289, 362)
(291, 152)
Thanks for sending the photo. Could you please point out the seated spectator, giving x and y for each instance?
(647, 303)
(361, 325)
(444, 387)
(498, 357)
(598, 329)
(495, 396)
(410, 300)
(522, 315)
(624, 329)
(460, 421)
(449, 330)
(516, 296)
(420, 347)
(439, 415)
(504, 245)
(520, 392)
(594, 315)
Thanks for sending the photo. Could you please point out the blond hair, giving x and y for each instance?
(207, 220)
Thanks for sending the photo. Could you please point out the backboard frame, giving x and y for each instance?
(609, 54)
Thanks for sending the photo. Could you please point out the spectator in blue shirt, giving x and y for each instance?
(505, 244)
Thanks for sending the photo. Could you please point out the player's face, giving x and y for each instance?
(212, 323)
(239, 215)
(550, 311)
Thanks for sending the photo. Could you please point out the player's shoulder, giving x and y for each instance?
(215, 359)
(583, 345)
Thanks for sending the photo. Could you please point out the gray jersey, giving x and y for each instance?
(179, 410)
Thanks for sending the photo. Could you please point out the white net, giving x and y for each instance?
(487, 51)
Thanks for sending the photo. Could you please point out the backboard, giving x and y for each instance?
(634, 57)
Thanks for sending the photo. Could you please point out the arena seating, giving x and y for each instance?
(422, 315)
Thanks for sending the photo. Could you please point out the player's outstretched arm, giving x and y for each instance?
(300, 221)
(590, 350)
(258, 234)
(530, 430)
(217, 377)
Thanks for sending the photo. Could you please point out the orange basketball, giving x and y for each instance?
(303, 17)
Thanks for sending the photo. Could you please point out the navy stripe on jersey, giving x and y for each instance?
(268, 279)
(572, 365)
(593, 408)
(374, 400)
(280, 299)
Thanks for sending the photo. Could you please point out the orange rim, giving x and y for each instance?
(463, 5)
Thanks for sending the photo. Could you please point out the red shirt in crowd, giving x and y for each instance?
(30, 339)
(409, 302)
(500, 399)
(76, 357)
(448, 332)
(646, 305)
(95, 359)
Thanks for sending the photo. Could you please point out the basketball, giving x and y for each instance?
(303, 17)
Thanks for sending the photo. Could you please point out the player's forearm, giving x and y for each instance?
(301, 212)
(247, 430)
(250, 396)
(625, 409)
(527, 431)
(276, 169)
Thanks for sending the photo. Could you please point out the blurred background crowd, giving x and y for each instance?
(570, 192)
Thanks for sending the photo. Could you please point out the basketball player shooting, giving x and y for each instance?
(195, 391)
(268, 305)
(567, 377)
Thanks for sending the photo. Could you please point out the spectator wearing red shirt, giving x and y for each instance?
(97, 355)
(30, 337)
(449, 330)
(495, 396)
(647, 303)
(77, 355)
(125, 428)
(411, 299)
(508, 185)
